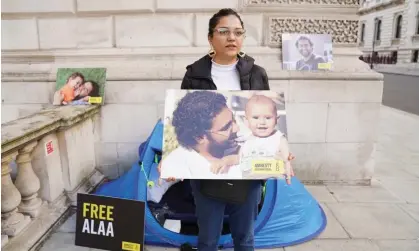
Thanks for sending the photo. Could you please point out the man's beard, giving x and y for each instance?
(306, 54)
(219, 150)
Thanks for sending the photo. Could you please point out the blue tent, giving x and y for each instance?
(289, 215)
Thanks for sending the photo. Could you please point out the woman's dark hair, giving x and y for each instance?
(217, 16)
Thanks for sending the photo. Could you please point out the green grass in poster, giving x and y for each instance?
(90, 74)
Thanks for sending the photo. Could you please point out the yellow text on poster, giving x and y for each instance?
(130, 246)
(275, 167)
(95, 100)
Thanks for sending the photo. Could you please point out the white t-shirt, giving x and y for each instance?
(225, 77)
(182, 163)
(259, 148)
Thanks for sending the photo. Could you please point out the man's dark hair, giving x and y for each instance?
(194, 114)
(303, 38)
(215, 19)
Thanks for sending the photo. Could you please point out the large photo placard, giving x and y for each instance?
(225, 135)
(307, 52)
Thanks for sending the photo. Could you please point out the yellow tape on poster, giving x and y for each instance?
(95, 100)
(324, 66)
(130, 246)
(274, 167)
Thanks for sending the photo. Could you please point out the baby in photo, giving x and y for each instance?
(265, 143)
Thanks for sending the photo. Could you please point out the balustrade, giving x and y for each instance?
(29, 200)
(13, 222)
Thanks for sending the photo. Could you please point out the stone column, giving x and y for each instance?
(12, 222)
(27, 182)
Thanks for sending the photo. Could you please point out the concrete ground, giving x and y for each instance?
(401, 92)
(383, 217)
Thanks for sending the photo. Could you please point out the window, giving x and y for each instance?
(378, 30)
(394, 57)
(415, 56)
(398, 26)
(362, 32)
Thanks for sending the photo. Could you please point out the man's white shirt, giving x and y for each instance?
(182, 163)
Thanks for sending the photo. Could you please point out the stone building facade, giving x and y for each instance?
(394, 26)
(146, 45)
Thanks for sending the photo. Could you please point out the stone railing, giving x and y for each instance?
(47, 158)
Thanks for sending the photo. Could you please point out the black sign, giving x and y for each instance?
(110, 223)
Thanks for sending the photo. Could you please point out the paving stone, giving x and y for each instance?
(388, 167)
(398, 245)
(371, 194)
(335, 245)
(69, 226)
(413, 168)
(412, 210)
(375, 221)
(62, 242)
(333, 229)
(321, 193)
(405, 189)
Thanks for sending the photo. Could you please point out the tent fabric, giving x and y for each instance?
(290, 215)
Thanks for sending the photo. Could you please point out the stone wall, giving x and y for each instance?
(146, 45)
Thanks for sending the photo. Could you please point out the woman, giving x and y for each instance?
(225, 67)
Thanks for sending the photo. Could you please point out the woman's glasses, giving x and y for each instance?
(225, 32)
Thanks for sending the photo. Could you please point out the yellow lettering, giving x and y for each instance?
(85, 208)
(93, 212)
(109, 213)
(102, 212)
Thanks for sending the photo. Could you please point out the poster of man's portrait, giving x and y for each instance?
(224, 135)
(307, 52)
(80, 86)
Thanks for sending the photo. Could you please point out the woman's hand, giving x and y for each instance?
(291, 157)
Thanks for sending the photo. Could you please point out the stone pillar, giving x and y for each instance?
(77, 163)
(45, 166)
(12, 222)
(27, 182)
(4, 240)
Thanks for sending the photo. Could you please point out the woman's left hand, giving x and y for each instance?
(291, 157)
